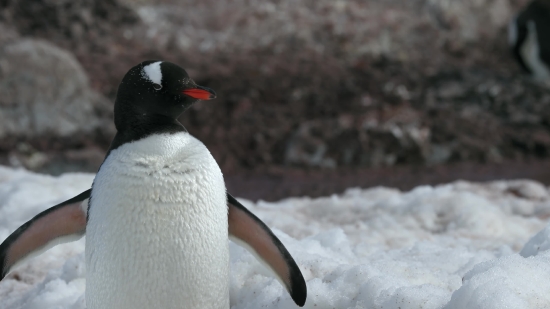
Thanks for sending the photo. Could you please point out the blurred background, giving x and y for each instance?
(314, 96)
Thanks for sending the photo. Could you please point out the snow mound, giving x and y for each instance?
(538, 243)
(508, 282)
(449, 246)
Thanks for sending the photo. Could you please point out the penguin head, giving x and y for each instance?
(156, 89)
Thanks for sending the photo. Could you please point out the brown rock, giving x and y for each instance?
(46, 93)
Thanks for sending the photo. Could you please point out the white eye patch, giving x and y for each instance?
(152, 72)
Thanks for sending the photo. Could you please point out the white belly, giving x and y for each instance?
(157, 233)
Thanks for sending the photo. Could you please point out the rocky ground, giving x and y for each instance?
(318, 90)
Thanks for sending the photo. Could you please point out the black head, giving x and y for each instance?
(150, 98)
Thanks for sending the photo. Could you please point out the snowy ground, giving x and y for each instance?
(450, 246)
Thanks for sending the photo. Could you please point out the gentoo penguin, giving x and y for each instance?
(157, 217)
(529, 38)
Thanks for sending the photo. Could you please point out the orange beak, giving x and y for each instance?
(201, 93)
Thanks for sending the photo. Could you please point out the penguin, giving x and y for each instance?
(529, 39)
(157, 217)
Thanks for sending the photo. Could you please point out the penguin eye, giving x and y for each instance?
(157, 86)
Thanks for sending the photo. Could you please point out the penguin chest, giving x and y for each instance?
(157, 234)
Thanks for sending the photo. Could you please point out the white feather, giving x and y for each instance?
(153, 73)
(157, 235)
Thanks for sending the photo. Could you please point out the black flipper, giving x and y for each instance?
(61, 223)
(257, 237)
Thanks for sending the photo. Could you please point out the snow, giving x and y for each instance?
(538, 243)
(449, 246)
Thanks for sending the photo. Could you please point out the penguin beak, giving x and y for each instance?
(201, 93)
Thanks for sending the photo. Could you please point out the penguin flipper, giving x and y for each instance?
(61, 223)
(254, 235)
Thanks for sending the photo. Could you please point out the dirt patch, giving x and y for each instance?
(323, 86)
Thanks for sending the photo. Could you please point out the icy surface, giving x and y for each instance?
(450, 246)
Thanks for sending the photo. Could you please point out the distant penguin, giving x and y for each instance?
(529, 38)
(157, 218)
